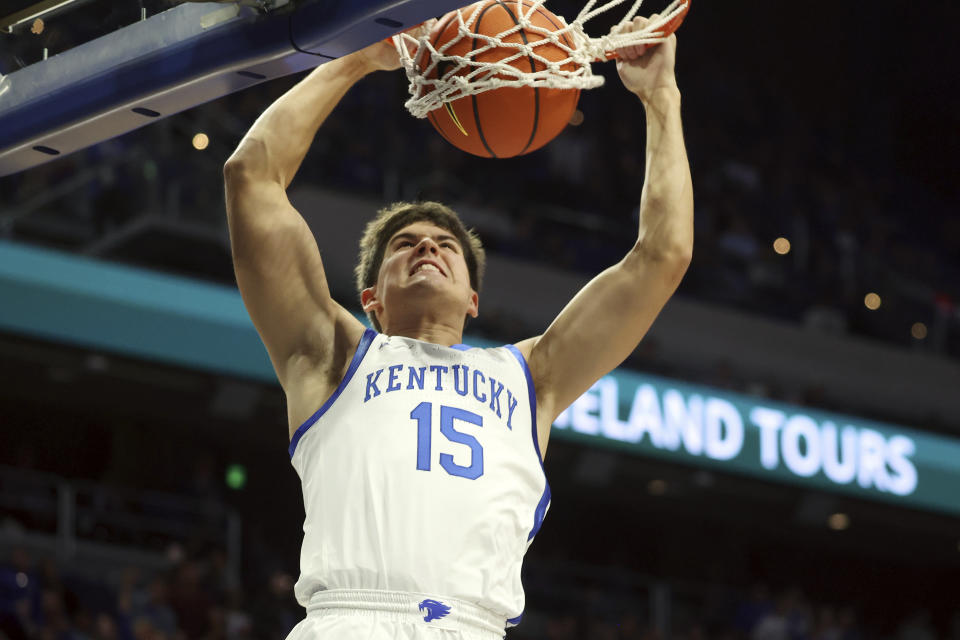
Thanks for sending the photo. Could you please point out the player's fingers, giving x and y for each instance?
(631, 52)
(637, 51)
(423, 29)
(640, 23)
(629, 27)
(414, 35)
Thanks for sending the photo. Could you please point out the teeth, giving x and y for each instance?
(427, 266)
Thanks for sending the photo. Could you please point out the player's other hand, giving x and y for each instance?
(379, 56)
(383, 56)
(646, 68)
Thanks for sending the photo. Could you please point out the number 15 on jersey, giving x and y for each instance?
(423, 414)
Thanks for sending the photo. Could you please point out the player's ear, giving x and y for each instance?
(369, 300)
(474, 309)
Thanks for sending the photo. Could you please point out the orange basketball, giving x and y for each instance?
(511, 121)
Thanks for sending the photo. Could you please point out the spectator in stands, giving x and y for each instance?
(155, 608)
(189, 601)
(562, 627)
(239, 624)
(917, 627)
(276, 612)
(105, 628)
(827, 626)
(774, 625)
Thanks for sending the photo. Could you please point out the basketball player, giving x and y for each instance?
(420, 457)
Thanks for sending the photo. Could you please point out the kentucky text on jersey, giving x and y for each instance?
(482, 388)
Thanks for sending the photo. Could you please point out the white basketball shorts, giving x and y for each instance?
(345, 614)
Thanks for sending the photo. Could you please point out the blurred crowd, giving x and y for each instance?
(195, 600)
(754, 613)
(573, 205)
(765, 165)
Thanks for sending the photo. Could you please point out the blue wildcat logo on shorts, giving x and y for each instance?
(435, 609)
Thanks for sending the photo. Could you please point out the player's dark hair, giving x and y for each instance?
(398, 215)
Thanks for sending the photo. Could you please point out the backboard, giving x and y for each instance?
(77, 72)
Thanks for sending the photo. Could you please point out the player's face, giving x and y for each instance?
(423, 259)
(424, 254)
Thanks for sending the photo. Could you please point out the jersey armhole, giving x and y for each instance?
(365, 341)
(541, 510)
(533, 397)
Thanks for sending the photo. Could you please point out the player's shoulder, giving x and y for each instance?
(331, 339)
(325, 352)
(526, 347)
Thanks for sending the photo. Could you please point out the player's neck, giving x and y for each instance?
(425, 329)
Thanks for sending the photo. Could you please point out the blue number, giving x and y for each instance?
(422, 414)
(447, 416)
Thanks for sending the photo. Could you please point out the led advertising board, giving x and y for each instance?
(775, 441)
(66, 298)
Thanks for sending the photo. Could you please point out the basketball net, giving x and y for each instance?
(465, 75)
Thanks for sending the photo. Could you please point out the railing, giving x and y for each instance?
(87, 523)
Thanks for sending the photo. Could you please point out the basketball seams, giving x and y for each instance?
(576, 98)
(558, 26)
(439, 127)
(442, 121)
(546, 15)
(536, 90)
(473, 98)
(503, 124)
(566, 52)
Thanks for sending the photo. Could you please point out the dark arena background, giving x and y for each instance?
(779, 459)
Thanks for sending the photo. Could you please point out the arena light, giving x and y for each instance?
(236, 477)
(918, 330)
(781, 245)
(871, 301)
(838, 521)
(201, 141)
(576, 118)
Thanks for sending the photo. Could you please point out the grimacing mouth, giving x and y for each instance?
(420, 263)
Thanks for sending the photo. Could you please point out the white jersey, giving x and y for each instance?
(422, 473)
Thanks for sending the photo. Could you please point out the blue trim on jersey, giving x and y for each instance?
(461, 347)
(365, 341)
(533, 397)
(512, 622)
(541, 510)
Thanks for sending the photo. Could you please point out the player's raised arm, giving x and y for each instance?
(605, 321)
(275, 256)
